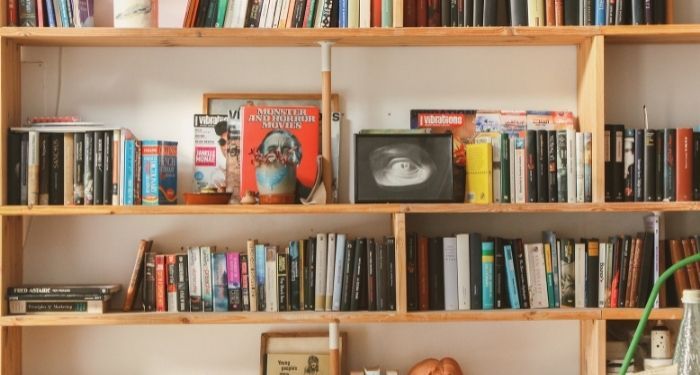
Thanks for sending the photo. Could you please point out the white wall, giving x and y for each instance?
(155, 92)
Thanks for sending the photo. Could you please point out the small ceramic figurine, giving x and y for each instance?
(249, 198)
(431, 366)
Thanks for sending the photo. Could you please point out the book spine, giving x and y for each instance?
(512, 285)
(650, 165)
(252, 274)
(436, 274)
(475, 271)
(487, 260)
(233, 281)
(669, 165)
(59, 297)
(659, 166)
(588, 167)
(499, 276)
(149, 174)
(602, 259)
(107, 169)
(567, 275)
(78, 172)
(639, 147)
(391, 273)
(183, 293)
(36, 307)
(27, 13)
(521, 274)
(571, 165)
(542, 166)
(149, 282)
(245, 280)
(44, 165)
(696, 166)
(56, 177)
(371, 286)
(423, 273)
(536, 275)
(608, 163)
(531, 157)
(23, 170)
(348, 270)
(449, 258)
(14, 156)
(89, 168)
(552, 186)
(33, 168)
(320, 282)
(562, 183)
(261, 276)
(195, 278)
(505, 168)
(282, 281)
(271, 302)
(684, 164)
(359, 267)
(338, 273)
(160, 284)
(628, 167)
(294, 272)
(330, 271)
(592, 273)
(549, 274)
(412, 273)
(207, 279)
(580, 168)
(99, 172)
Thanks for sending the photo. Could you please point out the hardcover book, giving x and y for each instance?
(279, 146)
(136, 273)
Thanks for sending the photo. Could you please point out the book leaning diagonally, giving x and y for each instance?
(144, 247)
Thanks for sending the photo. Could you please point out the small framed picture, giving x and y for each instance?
(403, 168)
(298, 353)
(230, 103)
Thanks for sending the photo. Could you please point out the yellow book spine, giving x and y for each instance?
(479, 173)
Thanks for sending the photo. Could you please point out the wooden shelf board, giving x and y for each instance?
(436, 36)
(142, 318)
(349, 208)
(199, 209)
(674, 313)
(652, 34)
(501, 315)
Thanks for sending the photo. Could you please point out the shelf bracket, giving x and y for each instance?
(326, 118)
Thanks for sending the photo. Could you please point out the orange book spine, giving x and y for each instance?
(549, 12)
(692, 275)
(160, 283)
(636, 263)
(558, 13)
(681, 276)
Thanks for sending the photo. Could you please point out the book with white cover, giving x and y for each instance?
(330, 271)
(463, 299)
(580, 285)
(536, 275)
(449, 256)
(338, 273)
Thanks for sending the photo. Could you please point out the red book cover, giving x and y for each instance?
(558, 13)
(409, 13)
(12, 13)
(160, 283)
(376, 13)
(280, 145)
(422, 13)
(40, 13)
(684, 164)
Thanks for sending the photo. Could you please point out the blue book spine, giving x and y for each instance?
(343, 20)
(220, 282)
(128, 192)
(63, 7)
(51, 16)
(260, 275)
(549, 274)
(487, 275)
(167, 172)
(600, 12)
(149, 173)
(510, 276)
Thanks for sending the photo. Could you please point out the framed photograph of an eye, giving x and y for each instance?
(403, 168)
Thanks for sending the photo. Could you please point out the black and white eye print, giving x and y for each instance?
(403, 168)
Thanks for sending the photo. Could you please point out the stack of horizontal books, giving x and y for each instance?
(51, 299)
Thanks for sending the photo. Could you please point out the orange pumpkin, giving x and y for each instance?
(431, 366)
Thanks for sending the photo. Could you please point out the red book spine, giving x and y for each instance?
(422, 13)
(307, 13)
(423, 283)
(160, 283)
(549, 12)
(12, 13)
(434, 13)
(684, 164)
(558, 13)
(615, 288)
(409, 13)
(376, 13)
(40, 13)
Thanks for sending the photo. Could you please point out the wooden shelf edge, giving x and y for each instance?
(652, 34)
(673, 313)
(368, 37)
(349, 208)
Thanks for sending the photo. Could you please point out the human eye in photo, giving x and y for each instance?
(401, 166)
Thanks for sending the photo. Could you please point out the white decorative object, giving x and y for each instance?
(133, 13)
(660, 343)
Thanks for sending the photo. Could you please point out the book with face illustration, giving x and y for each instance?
(279, 145)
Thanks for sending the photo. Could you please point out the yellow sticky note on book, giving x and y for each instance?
(479, 173)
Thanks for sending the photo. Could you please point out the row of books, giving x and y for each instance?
(453, 13)
(475, 272)
(89, 165)
(49, 299)
(543, 166)
(651, 165)
(328, 272)
(51, 13)
(289, 13)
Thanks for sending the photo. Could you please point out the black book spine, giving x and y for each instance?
(518, 12)
(149, 282)
(347, 276)
(531, 160)
(88, 168)
(282, 282)
(335, 13)
(371, 289)
(436, 274)
(475, 281)
(107, 168)
(357, 275)
(294, 272)
(391, 274)
(592, 262)
(24, 169)
(588, 13)
(380, 286)
(617, 144)
(445, 12)
(506, 194)
(570, 12)
(201, 13)
(628, 193)
(621, 10)
(608, 150)
(562, 178)
(14, 164)
(412, 271)
(56, 177)
(659, 168)
(542, 166)
(44, 167)
(99, 172)
(499, 276)
(310, 292)
(650, 165)
(637, 12)
(489, 12)
(478, 13)
(553, 188)
(696, 166)
(299, 9)
(245, 275)
(521, 274)
(646, 269)
(360, 288)
(454, 16)
(183, 284)
(648, 17)
(304, 259)
(639, 165)
(625, 251)
(78, 164)
(659, 10)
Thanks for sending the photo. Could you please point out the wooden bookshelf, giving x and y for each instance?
(652, 34)
(636, 314)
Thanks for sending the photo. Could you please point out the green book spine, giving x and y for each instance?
(210, 20)
(221, 15)
(387, 13)
(312, 13)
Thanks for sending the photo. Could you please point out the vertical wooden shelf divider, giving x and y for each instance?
(11, 251)
(398, 221)
(591, 105)
(592, 347)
